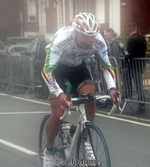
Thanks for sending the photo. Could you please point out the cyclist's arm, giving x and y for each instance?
(109, 76)
(108, 70)
(61, 41)
(51, 61)
(100, 51)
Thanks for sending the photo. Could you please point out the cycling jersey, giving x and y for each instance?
(65, 50)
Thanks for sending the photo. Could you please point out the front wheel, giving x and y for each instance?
(42, 136)
(43, 141)
(92, 150)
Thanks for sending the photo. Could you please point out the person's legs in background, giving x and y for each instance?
(138, 81)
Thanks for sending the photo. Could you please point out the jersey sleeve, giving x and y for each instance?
(52, 58)
(108, 70)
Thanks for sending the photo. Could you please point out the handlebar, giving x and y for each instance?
(89, 97)
(81, 100)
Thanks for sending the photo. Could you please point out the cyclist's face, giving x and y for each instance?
(84, 41)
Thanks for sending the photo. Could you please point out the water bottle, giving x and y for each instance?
(66, 133)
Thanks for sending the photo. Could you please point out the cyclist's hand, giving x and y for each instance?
(64, 103)
(115, 96)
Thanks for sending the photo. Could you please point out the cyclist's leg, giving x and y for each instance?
(82, 81)
(50, 154)
(53, 123)
(52, 126)
(90, 107)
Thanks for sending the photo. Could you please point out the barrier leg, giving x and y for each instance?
(124, 105)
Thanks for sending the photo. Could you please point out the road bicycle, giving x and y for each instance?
(70, 142)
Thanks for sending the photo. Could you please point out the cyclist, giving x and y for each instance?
(65, 60)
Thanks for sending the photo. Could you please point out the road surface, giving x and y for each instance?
(128, 141)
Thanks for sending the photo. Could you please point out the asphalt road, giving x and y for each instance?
(128, 141)
(19, 128)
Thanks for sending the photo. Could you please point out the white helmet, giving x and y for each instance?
(86, 23)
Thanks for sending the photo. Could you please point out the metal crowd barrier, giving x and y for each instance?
(135, 80)
(17, 71)
(132, 78)
(5, 79)
(134, 85)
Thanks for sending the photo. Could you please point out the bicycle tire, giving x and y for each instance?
(99, 146)
(42, 136)
(42, 141)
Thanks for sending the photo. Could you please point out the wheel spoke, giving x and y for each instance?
(99, 151)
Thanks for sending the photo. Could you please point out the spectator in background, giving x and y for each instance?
(39, 61)
(136, 48)
(116, 46)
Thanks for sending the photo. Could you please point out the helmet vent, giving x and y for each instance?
(94, 28)
(86, 24)
(90, 22)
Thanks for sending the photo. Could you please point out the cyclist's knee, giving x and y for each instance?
(87, 88)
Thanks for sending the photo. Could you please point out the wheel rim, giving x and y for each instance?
(99, 148)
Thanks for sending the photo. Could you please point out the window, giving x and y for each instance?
(31, 10)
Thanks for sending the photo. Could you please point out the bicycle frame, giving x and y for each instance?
(68, 152)
(80, 126)
(81, 123)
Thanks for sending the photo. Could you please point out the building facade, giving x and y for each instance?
(135, 11)
(27, 17)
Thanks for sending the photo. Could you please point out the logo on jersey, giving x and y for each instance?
(99, 44)
(65, 42)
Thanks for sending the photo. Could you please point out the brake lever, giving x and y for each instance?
(116, 95)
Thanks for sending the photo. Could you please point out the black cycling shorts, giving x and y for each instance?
(77, 76)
